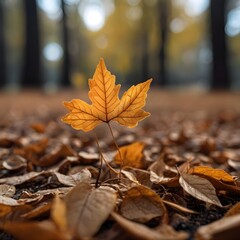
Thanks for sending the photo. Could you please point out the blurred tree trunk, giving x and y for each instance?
(66, 58)
(2, 47)
(163, 6)
(31, 65)
(145, 57)
(220, 71)
(144, 43)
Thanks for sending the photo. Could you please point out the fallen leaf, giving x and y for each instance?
(225, 228)
(88, 208)
(7, 190)
(38, 211)
(14, 162)
(106, 105)
(54, 154)
(166, 181)
(218, 174)
(9, 201)
(33, 150)
(139, 231)
(72, 180)
(58, 213)
(88, 158)
(131, 155)
(142, 204)
(234, 210)
(19, 179)
(199, 188)
(33, 230)
(38, 127)
(7, 139)
(219, 185)
(140, 175)
(4, 210)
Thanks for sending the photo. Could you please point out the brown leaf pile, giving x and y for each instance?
(179, 180)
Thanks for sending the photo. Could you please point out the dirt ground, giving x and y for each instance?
(158, 100)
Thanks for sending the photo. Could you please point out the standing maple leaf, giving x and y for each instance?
(106, 105)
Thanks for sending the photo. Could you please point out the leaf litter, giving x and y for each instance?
(180, 180)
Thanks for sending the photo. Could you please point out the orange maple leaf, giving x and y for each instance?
(106, 105)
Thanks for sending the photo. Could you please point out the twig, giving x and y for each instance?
(118, 149)
(101, 163)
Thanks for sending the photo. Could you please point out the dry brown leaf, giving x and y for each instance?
(142, 204)
(141, 232)
(72, 180)
(15, 162)
(131, 155)
(218, 174)
(33, 151)
(166, 181)
(9, 201)
(219, 185)
(38, 211)
(234, 210)
(225, 228)
(5, 209)
(19, 179)
(38, 127)
(58, 213)
(7, 139)
(141, 176)
(199, 188)
(54, 155)
(88, 158)
(34, 230)
(7, 190)
(106, 105)
(88, 208)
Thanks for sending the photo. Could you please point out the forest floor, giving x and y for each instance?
(179, 180)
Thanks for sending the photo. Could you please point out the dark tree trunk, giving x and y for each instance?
(163, 20)
(145, 57)
(66, 57)
(31, 65)
(220, 71)
(144, 42)
(2, 48)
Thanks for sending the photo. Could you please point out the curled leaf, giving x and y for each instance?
(142, 204)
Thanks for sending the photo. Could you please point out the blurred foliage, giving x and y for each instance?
(131, 29)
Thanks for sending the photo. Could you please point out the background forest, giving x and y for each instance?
(179, 43)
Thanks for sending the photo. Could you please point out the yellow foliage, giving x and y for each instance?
(218, 174)
(106, 105)
(131, 155)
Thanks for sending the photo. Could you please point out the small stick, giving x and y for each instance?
(101, 163)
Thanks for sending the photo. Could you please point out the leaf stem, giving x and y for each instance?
(101, 163)
(118, 149)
